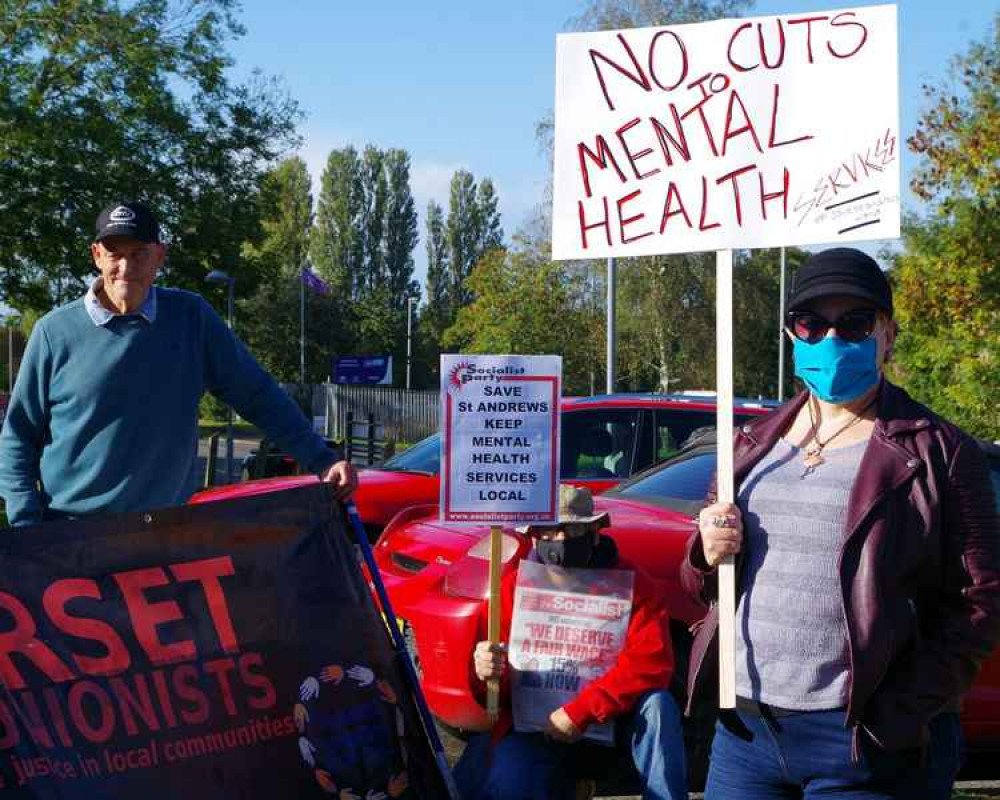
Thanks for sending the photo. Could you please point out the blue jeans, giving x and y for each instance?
(527, 766)
(809, 755)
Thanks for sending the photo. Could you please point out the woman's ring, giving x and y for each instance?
(720, 521)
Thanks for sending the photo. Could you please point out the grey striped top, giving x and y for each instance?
(791, 643)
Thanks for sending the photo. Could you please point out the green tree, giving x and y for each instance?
(400, 229)
(100, 100)
(462, 235)
(374, 191)
(286, 221)
(337, 245)
(525, 303)
(947, 279)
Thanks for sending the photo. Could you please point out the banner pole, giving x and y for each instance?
(396, 636)
(724, 449)
(493, 619)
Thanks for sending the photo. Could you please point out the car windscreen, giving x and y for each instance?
(424, 456)
(679, 485)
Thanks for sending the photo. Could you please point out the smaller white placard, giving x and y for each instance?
(568, 629)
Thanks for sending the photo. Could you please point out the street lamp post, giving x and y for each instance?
(409, 336)
(219, 276)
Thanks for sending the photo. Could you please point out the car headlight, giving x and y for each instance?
(469, 577)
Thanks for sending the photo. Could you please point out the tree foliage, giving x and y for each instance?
(100, 100)
(947, 279)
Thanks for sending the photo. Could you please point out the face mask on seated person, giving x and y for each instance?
(834, 370)
(570, 553)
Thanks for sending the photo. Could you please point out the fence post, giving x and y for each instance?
(371, 439)
(349, 436)
(211, 458)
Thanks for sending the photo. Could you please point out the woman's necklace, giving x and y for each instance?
(814, 450)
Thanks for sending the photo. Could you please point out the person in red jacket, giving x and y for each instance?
(510, 765)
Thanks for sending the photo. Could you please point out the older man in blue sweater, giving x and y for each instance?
(104, 416)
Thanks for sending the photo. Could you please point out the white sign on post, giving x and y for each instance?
(500, 449)
(753, 132)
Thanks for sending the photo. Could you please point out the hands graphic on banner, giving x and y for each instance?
(309, 690)
(362, 675)
(398, 784)
(308, 751)
(387, 692)
(333, 673)
(301, 716)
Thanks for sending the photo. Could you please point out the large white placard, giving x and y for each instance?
(754, 132)
(568, 629)
(500, 448)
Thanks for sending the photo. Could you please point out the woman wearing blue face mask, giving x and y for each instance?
(868, 568)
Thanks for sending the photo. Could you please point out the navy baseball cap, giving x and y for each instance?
(128, 219)
(840, 271)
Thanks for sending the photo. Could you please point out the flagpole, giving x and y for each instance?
(302, 325)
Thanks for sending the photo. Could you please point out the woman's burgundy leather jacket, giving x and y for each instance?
(919, 568)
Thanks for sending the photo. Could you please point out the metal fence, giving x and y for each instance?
(11, 352)
(404, 416)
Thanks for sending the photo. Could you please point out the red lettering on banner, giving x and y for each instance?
(729, 49)
(601, 158)
(704, 208)
(207, 572)
(633, 157)
(220, 669)
(185, 680)
(604, 223)
(257, 680)
(731, 133)
(8, 726)
(638, 77)
(808, 21)
(27, 712)
(54, 602)
(56, 716)
(163, 695)
(766, 196)
(771, 143)
(21, 639)
(140, 703)
(623, 221)
(672, 192)
(836, 23)
(681, 49)
(98, 732)
(147, 616)
(666, 138)
(732, 176)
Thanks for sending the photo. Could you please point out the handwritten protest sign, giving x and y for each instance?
(754, 132)
(500, 448)
(568, 629)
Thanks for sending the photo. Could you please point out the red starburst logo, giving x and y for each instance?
(454, 377)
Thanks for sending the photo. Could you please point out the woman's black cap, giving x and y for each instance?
(840, 271)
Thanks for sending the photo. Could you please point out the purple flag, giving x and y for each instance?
(314, 281)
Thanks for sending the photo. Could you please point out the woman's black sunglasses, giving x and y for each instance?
(851, 326)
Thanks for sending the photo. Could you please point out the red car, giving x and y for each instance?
(437, 580)
(605, 439)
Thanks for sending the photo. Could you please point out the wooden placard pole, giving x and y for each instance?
(493, 618)
(724, 425)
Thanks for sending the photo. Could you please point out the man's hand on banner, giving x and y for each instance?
(561, 728)
(309, 690)
(308, 751)
(348, 794)
(344, 479)
(490, 660)
(387, 692)
(362, 675)
(398, 784)
(373, 795)
(301, 717)
(333, 673)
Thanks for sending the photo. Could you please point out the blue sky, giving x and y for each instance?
(462, 83)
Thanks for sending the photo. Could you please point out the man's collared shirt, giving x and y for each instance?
(101, 316)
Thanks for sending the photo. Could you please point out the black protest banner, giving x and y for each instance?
(223, 650)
